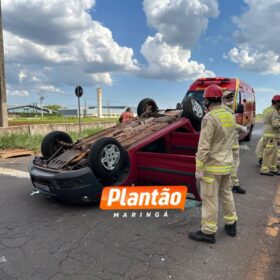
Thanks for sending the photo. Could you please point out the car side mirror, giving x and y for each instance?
(240, 109)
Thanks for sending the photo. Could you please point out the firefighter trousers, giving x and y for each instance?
(270, 155)
(260, 148)
(236, 161)
(212, 187)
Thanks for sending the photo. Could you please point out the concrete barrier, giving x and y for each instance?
(46, 128)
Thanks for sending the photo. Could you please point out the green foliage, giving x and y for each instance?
(33, 142)
(56, 119)
(22, 140)
(259, 118)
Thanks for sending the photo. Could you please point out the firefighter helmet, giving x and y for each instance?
(276, 98)
(213, 92)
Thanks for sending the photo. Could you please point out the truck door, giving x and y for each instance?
(248, 104)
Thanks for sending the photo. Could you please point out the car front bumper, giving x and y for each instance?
(70, 185)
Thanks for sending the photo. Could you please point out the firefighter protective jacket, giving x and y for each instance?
(271, 122)
(217, 137)
(238, 130)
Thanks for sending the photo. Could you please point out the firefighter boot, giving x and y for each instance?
(200, 236)
(238, 189)
(231, 229)
(267, 174)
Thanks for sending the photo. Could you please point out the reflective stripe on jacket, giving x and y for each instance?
(271, 122)
(217, 136)
(235, 146)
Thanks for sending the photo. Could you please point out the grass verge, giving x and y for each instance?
(33, 142)
(57, 119)
(259, 118)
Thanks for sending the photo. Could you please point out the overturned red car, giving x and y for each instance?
(157, 148)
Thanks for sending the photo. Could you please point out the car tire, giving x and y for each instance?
(194, 111)
(144, 103)
(106, 157)
(49, 144)
(249, 136)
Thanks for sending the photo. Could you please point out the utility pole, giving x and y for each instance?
(99, 102)
(3, 98)
(41, 105)
(108, 109)
(85, 111)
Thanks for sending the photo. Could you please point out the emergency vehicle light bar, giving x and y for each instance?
(211, 80)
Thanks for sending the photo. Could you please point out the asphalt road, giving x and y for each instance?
(42, 239)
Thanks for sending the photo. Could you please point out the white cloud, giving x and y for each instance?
(49, 88)
(52, 22)
(258, 45)
(264, 96)
(20, 93)
(101, 53)
(21, 76)
(56, 42)
(259, 25)
(170, 62)
(265, 90)
(264, 62)
(180, 22)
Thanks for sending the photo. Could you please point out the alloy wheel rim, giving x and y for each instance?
(110, 156)
(197, 109)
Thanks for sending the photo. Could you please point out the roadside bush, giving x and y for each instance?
(33, 142)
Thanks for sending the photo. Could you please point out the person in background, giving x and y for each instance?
(214, 164)
(228, 100)
(126, 116)
(270, 138)
(260, 148)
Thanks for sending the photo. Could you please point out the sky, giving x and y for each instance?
(134, 49)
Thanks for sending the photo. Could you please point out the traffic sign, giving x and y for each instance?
(79, 91)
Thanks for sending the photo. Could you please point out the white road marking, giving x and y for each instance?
(245, 147)
(14, 173)
(258, 132)
(3, 259)
(34, 192)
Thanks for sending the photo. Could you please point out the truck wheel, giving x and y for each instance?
(50, 143)
(194, 111)
(106, 157)
(143, 105)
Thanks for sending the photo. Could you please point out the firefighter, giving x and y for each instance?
(228, 100)
(270, 138)
(214, 162)
(259, 150)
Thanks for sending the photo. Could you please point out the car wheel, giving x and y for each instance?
(193, 110)
(141, 108)
(50, 144)
(248, 137)
(106, 157)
